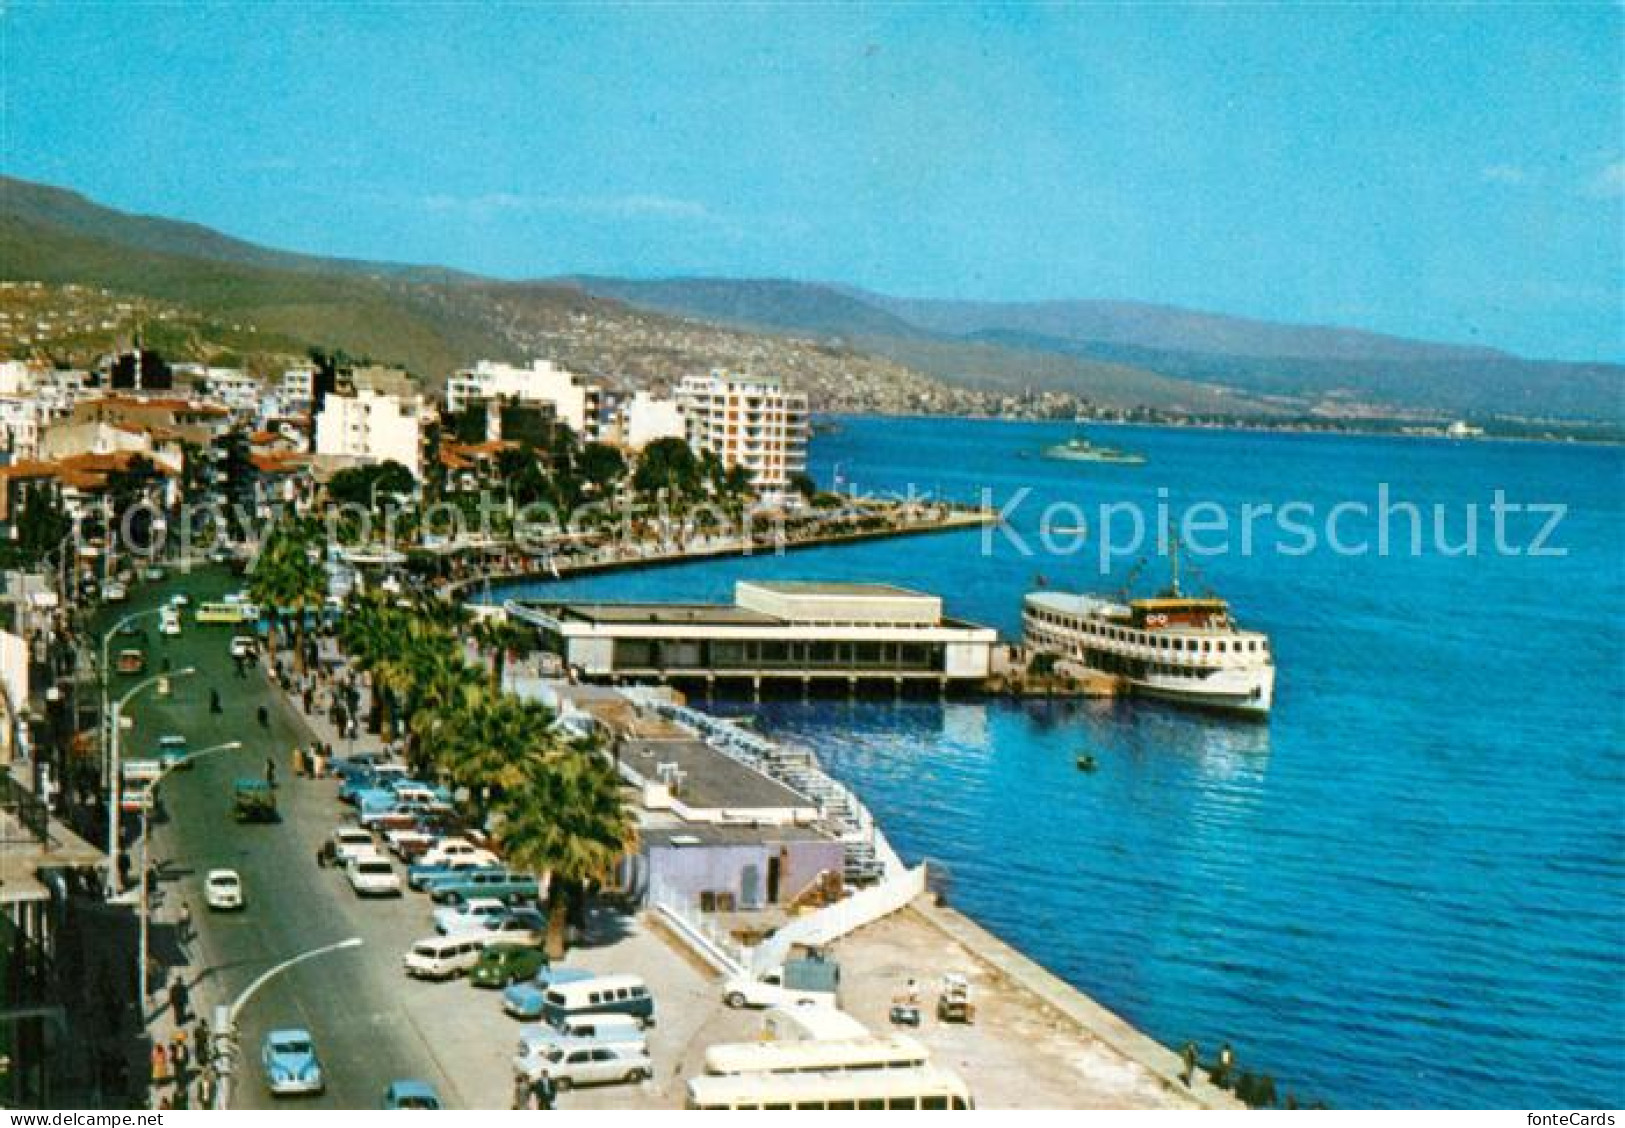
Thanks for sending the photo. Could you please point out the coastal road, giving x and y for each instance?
(370, 1023)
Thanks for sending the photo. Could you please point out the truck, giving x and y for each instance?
(253, 800)
(810, 981)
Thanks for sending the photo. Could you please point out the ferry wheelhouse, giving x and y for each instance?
(1184, 649)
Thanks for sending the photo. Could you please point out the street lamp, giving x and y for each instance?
(145, 910)
(102, 670)
(225, 1017)
(115, 780)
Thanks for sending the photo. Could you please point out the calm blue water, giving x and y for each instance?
(1407, 889)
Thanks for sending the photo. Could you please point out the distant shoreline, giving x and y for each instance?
(1244, 428)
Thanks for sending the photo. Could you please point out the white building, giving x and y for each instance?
(373, 428)
(575, 403)
(644, 418)
(19, 427)
(233, 389)
(748, 421)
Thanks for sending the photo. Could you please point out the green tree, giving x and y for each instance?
(362, 485)
(500, 636)
(667, 465)
(567, 820)
(601, 466)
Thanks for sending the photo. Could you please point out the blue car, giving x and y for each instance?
(411, 1094)
(430, 882)
(290, 1063)
(524, 1000)
(420, 876)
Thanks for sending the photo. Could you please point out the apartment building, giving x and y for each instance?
(373, 427)
(575, 403)
(643, 418)
(749, 421)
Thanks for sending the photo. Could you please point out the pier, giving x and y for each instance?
(775, 634)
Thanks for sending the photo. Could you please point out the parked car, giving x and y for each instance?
(223, 890)
(411, 1095)
(472, 916)
(291, 1066)
(602, 994)
(444, 957)
(503, 964)
(169, 622)
(781, 987)
(348, 841)
(432, 882)
(590, 1063)
(502, 885)
(620, 1029)
(371, 875)
(458, 849)
(244, 646)
(408, 843)
(524, 1000)
(422, 876)
(520, 926)
(130, 662)
(115, 592)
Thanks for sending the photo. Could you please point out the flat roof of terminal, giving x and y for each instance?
(833, 587)
(665, 614)
(711, 780)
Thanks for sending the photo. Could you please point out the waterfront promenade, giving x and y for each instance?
(516, 566)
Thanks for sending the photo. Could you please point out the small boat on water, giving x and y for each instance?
(1086, 763)
(1080, 449)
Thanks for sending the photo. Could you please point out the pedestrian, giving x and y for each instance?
(270, 769)
(214, 702)
(1222, 1067)
(179, 998)
(178, 1056)
(321, 856)
(521, 1091)
(184, 923)
(298, 758)
(544, 1091)
(200, 1039)
(1187, 1054)
(160, 1065)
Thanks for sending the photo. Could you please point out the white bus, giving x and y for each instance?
(927, 1087)
(894, 1051)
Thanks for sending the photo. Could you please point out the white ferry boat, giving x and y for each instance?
(1179, 648)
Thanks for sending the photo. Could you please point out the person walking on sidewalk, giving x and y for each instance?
(160, 1065)
(183, 923)
(179, 999)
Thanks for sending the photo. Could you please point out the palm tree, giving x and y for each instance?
(487, 748)
(374, 632)
(442, 686)
(501, 636)
(570, 821)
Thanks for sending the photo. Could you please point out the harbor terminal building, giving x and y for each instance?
(775, 633)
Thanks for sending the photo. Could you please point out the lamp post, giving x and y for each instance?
(145, 910)
(115, 782)
(225, 1017)
(102, 670)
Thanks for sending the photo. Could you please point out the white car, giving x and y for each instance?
(348, 841)
(223, 890)
(475, 916)
(460, 851)
(770, 991)
(371, 875)
(169, 622)
(517, 926)
(243, 646)
(180, 599)
(588, 1063)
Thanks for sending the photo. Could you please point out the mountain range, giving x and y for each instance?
(1115, 353)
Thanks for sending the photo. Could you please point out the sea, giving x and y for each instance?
(1407, 888)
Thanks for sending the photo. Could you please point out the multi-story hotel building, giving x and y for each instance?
(748, 421)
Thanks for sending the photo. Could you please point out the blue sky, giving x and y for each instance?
(1451, 173)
